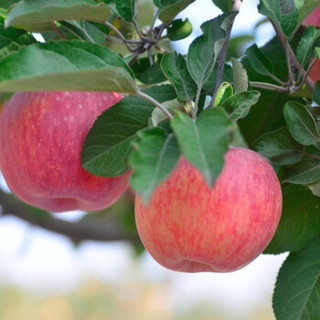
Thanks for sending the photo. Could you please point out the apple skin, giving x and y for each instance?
(315, 72)
(41, 137)
(313, 18)
(187, 226)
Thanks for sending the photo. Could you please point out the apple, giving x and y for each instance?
(41, 136)
(190, 227)
(315, 72)
(313, 18)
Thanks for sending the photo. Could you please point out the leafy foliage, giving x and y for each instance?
(65, 65)
(193, 105)
(296, 297)
(208, 136)
(106, 153)
(203, 51)
(300, 221)
(32, 13)
(287, 15)
(12, 39)
(170, 8)
(155, 156)
(224, 5)
(174, 67)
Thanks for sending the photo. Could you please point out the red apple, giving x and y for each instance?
(41, 136)
(187, 226)
(313, 18)
(315, 72)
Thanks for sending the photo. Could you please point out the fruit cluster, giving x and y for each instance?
(186, 226)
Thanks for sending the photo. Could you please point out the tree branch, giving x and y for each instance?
(292, 57)
(86, 229)
(221, 59)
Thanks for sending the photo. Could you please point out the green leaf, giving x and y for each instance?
(315, 188)
(299, 223)
(126, 9)
(204, 141)
(224, 5)
(268, 112)
(162, 93)
(146, 73)
(305, 46)
(170, 8)
(12, 39)
(296, 295)
(29, 13)
(240, 76)
(7, 3)
(301, 124)
(108, 144)
(212, 79)
(239, 104)
(287, 14)
(316, 93)
(259, 61)
(175, 68)
(238, 44)
(173, 106)
(179, 29)
(204, 50)
(82, 29)
(279, 147)
(155, 156)
(275, 53)
(303, 172)
(66, 65)
(224, 92)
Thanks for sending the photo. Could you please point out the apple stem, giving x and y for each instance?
(155, 103)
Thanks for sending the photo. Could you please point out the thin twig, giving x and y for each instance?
(290, 66)
(58, 31)
(155, 17)
(310, 155)
(195, 108)
(155, 103)
(134, 22)
(268, 86)
(84, 31)
(120, 35)
(307, 73)
(162, 27)
(287, 48)
(221, 59)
